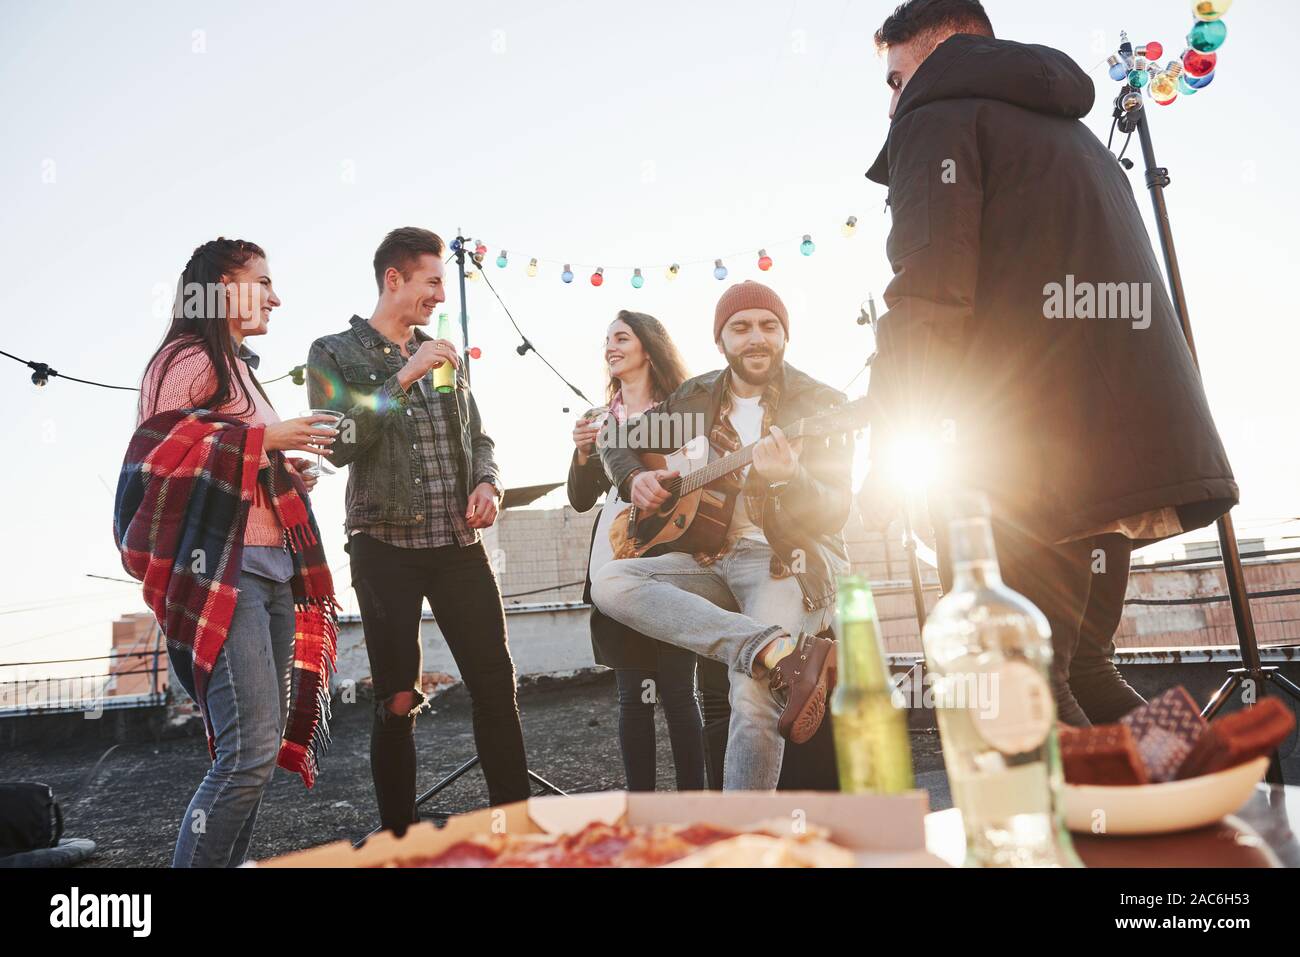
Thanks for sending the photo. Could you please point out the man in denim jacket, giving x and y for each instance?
(422, 483)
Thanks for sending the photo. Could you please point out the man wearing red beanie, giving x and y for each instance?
(757, 604)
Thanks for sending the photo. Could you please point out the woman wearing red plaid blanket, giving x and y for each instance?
(214, 520)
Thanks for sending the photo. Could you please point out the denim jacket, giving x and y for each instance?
(355, 372)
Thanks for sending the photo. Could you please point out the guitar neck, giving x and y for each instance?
(731, 462)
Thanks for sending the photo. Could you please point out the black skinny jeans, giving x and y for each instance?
(672, 684)
(1080, 587)
(391, 585)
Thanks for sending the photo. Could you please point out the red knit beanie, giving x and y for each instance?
(748, 295)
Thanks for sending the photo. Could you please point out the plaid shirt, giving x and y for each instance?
(442, 520)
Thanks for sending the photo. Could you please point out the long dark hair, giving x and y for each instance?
(667, 370)
(193, 328)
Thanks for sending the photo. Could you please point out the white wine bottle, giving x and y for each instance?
(988, 651)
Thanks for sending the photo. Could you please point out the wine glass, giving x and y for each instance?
(322, 467)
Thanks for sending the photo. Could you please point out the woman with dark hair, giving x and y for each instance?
(644, 367)
(214, 520)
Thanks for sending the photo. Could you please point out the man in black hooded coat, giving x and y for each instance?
(1029, 329)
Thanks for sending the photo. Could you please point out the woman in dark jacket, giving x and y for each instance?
(643, 367)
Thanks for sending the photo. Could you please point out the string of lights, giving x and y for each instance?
(42, 373)
(671, 270)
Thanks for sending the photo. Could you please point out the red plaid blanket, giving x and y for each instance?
(182, 502)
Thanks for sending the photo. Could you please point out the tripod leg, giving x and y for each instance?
(1220, 697)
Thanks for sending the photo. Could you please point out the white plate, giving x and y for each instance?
(1161, 808)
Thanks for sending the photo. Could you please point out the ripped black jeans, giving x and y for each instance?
(391, 585)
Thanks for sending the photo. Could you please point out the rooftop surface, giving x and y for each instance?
(130, 798)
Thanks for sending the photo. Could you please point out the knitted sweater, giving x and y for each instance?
(188, 379)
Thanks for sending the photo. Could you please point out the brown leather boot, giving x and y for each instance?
(800, 684)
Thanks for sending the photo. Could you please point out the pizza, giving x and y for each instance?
(658, 845)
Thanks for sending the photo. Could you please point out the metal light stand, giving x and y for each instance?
(867, 316)
(1157, 178)
(458, 248)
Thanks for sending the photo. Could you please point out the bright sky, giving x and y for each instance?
(596, 134)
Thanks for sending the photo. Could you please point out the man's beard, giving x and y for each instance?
(737, 363)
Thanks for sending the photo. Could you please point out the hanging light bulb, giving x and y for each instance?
(1137, 79)
(1199, 64)
(501, 260)
(1125, 47)
(1207, 35)
(1210, 9)
(1118, 69)
(719, 270)
(672, 272)
(567, 275)
(40, 374)
(474, 352)
(1185, 87)
(1153, 50)
(1199, 82)
(1164, 88)
(479, 251)
(637, 279)
(807, 247)
(764, 260)
(532, 267)
(598, 276)
(1132, 101)
(850, 227)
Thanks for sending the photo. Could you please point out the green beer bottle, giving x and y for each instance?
(872, 749)
(444, 376)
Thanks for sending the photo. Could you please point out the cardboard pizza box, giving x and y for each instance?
(880, 831)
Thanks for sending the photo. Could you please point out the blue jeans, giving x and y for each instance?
(672, 684)
(248, 701)
(727, 611)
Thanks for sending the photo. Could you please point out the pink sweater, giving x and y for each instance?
(188, 379)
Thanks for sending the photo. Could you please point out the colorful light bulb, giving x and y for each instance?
(1125, 47)
(1199, 64)
(1164, 87)
(637, 279)
(1118, 69)
(719, 270)
(672, 272)
(764, 260)
(1137, 79)
(1207, 35)
(1132, 101)
(567, 275)
(1185, 87)
(1199, 82)
(807, 247)
(474, 352)
(850, 227)
(501, 260)
(532, 267)
(1210, 9)
(598, 276)
(1154, 50)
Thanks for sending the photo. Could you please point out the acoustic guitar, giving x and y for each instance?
(702, 498)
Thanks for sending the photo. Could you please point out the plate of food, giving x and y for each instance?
(1164, 768)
